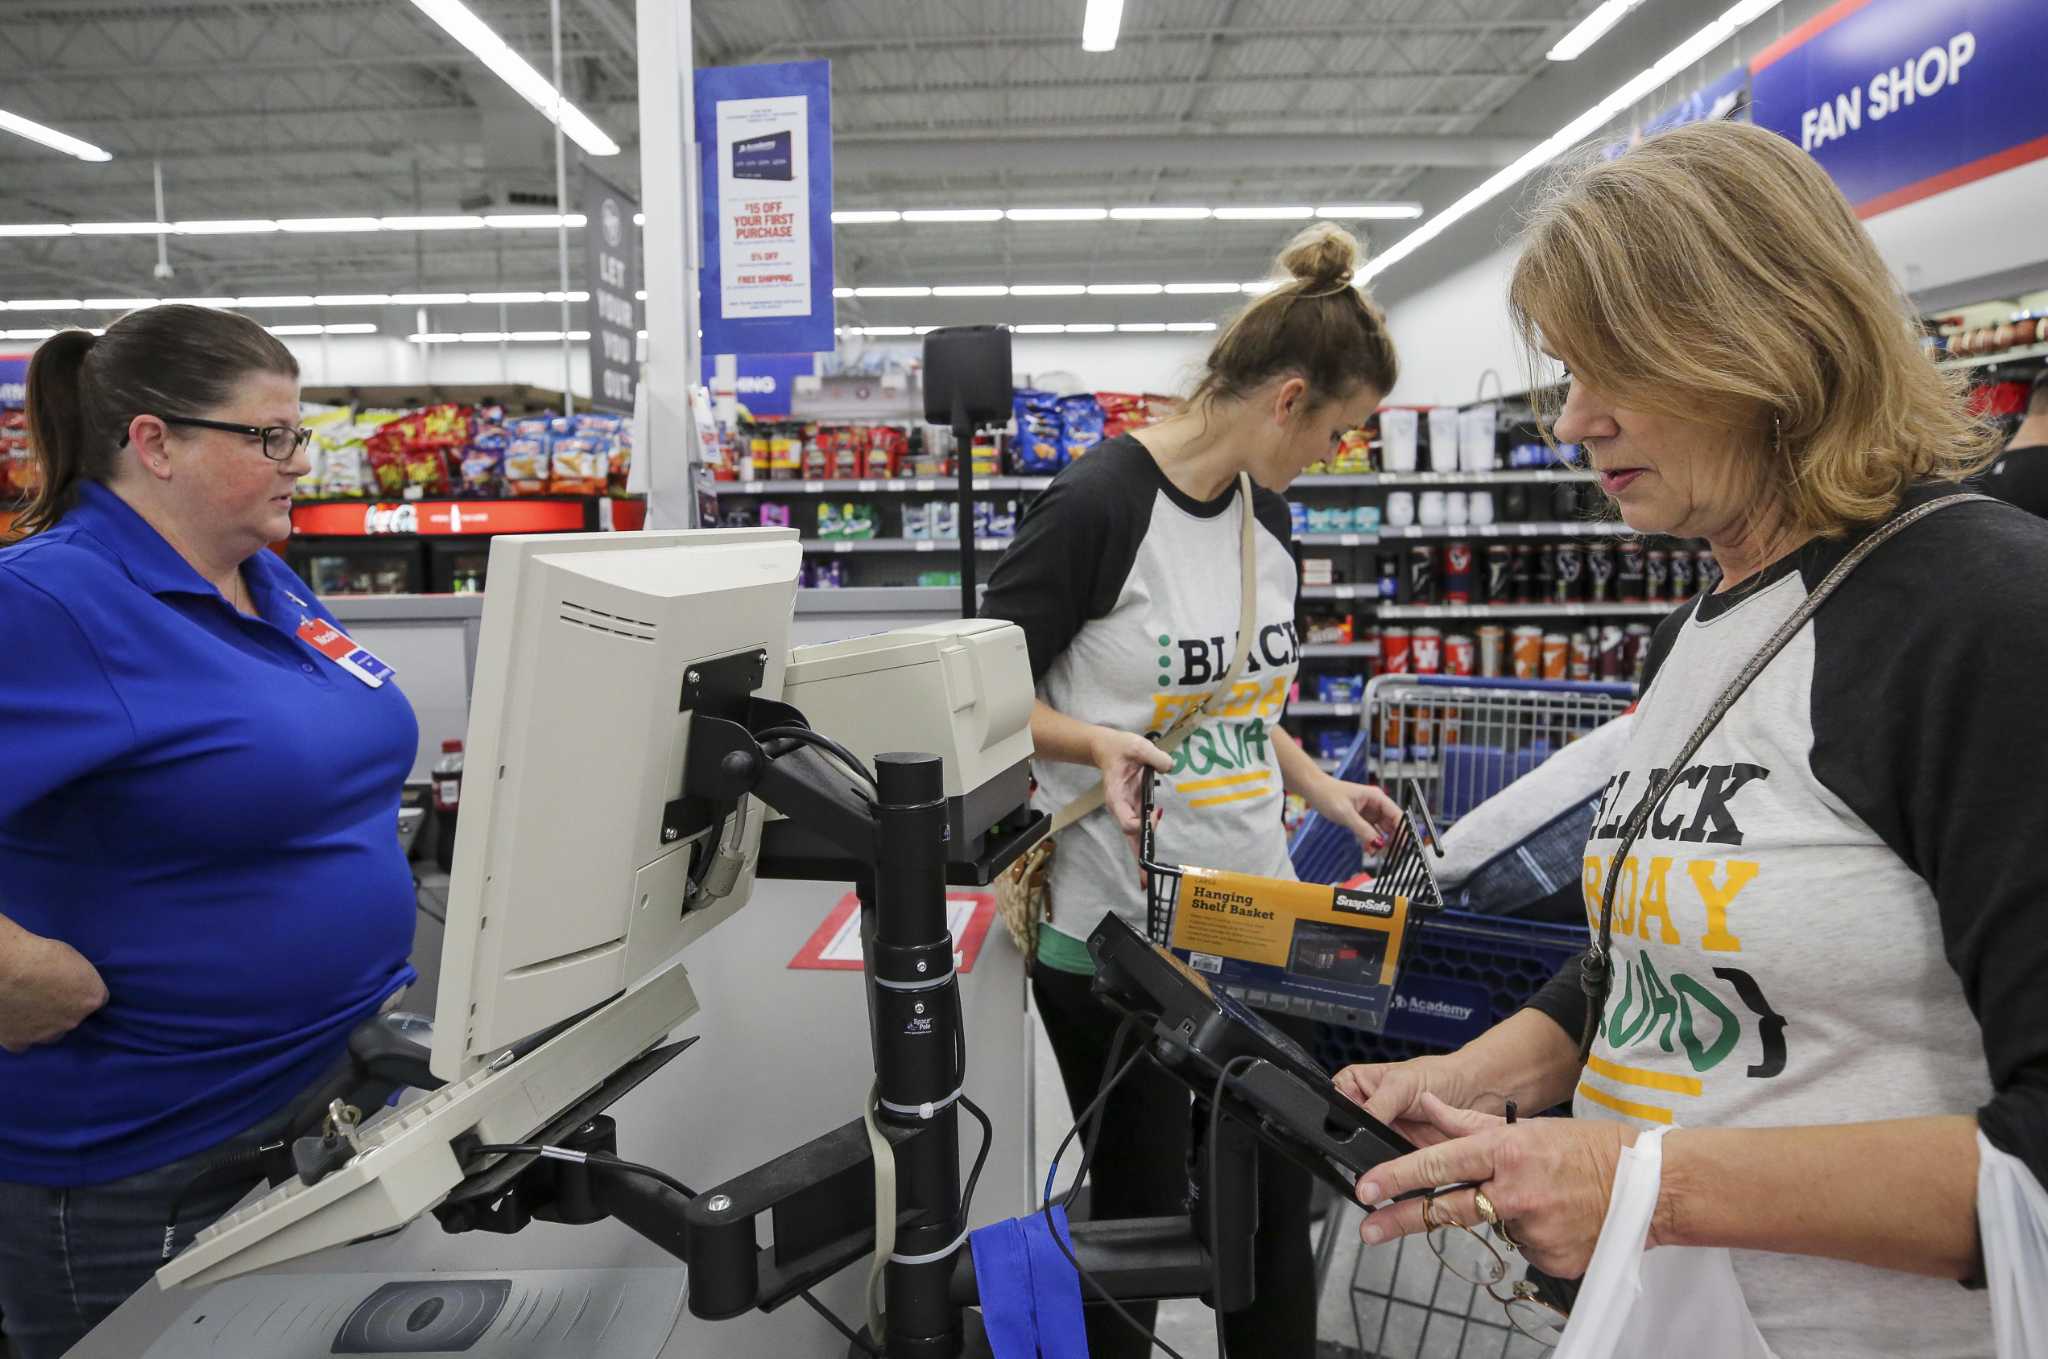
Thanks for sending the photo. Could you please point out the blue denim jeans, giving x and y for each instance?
(69, 1257)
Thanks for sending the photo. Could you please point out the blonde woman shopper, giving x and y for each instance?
(1828, 941)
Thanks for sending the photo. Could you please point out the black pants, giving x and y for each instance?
(1140, 1171)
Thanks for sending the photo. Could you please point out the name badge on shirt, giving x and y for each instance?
(337, 646)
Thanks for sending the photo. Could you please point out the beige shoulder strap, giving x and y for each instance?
(1247, 623)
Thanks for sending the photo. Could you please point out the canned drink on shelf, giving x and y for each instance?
(1683, 573)
(1630, 578)
(1457, 572)
(1557, 651)
(1707, 569)
(1389, 575)
(1600, 571)
(1528, 653)
(1571, 573)
(1371, 637)
(1524, 573)
(1500, 573)
(1657, 575)
(1582, 656)
(1397, 654)
(1460, 655)
(1428, 649)
(1611, 650)
(1421, 585)
(1636, 652)
(1546, 574)
(1393, 734)
(1493, 647)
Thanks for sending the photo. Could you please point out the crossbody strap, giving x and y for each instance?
(1247, 620)
(1596, 966)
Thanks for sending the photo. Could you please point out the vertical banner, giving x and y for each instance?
(13, 380)
(764, 135)
(611, 246)
(1902, 99)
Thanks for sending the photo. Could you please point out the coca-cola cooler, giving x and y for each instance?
(417, 547)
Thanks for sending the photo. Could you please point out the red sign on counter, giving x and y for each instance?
(441, 517)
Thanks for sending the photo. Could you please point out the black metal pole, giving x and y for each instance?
(914, 1004)
(963, 466)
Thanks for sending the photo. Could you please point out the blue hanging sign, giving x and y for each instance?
(764, 137)
(1902, 99)
(13, 380)
(767, 382)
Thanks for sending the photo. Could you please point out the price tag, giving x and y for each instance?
(926, 484)
(1349, 540)
(1346, 591)
(842, 547)
(1527, 530)
(870, 486)
(814, 487)
(927, 547)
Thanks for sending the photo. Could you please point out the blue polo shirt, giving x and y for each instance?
(206, 808)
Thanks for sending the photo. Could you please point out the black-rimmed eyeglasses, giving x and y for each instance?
(280, 442)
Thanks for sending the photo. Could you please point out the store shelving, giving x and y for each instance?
(876, 486)
(1306, 708)
(901, 545)
(1497, 477)
(1447, 532)
(1401, 613)
(1315, 649)
(2022, 355)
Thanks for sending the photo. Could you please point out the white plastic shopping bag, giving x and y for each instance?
(1676, 1302)
(2012, 1221)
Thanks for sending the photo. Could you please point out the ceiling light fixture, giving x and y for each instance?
(1057, 214)
(1199, 289)
(1673, 63)
(1047, 289)
(953, 214)
(1090, 328)
(858, 216)
(441, 223)
(486, 46)
(1591, 29)
(1159, 214)
(51, 137)
(1125, 289)
(312, 224)
(1276, 213)
(247, 226)
(1099, 25)
(972, 290)
(1373, 212)
(892, 292)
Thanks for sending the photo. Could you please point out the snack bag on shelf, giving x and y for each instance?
(1080, 425)
(526, 464)
(621, 460)
(945, 521)
(830, 523)
(858, 521)
(384, 453)
(1354, 453)
(1122, 412)
(1037, 448)
(1002, 520)
(578, 466)
(483, 466)
(774, 514)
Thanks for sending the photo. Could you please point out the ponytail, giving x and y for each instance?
(56, 429)
(1317, 324)
(83, 389)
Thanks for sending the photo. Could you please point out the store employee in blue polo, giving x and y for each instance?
(201, 889)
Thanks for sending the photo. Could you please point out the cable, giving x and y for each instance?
(1094, 1138)
(988, 1136)
(1109, 1083)
(1215, 1218)
(605, 1158)
(805, 736)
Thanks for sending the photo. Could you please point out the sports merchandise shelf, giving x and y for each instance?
(2030, 352)
(876, 486)
(901, 544)
(1396, 613)
(1551, 529)
(1499, 477)
(1367, 649)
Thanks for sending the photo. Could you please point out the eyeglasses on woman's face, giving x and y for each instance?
(280, 442)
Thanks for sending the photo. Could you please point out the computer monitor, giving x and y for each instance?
(571, 870)
(572, 891)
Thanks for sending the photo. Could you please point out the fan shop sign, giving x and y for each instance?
(1899, 100)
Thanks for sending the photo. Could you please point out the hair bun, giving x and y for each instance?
(1323, 257)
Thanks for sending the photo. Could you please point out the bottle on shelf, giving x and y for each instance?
(447, 802)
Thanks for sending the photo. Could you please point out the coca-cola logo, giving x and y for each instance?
(391, 519)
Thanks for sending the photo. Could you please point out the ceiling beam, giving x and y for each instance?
(157, 71)
(1068, 37)
(858, 156)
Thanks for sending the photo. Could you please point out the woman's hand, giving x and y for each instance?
(1360, 808)
(1123, 757)
(47, 989)
(1392, 1092)
(1548, 1179)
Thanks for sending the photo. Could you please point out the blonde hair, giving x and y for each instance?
(1317, 323)
(1714, 272)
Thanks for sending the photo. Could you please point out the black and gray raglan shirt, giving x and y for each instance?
(1128, 591)
(1840, 914)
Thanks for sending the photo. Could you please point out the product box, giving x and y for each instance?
(1281, 942)
(1340, 688)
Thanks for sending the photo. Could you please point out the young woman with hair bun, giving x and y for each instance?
(1125, 577)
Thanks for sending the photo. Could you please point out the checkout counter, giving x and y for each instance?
(746, 1091)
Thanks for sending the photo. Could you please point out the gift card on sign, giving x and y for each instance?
(337, 646)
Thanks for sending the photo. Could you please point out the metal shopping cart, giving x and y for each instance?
(1459, 741)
